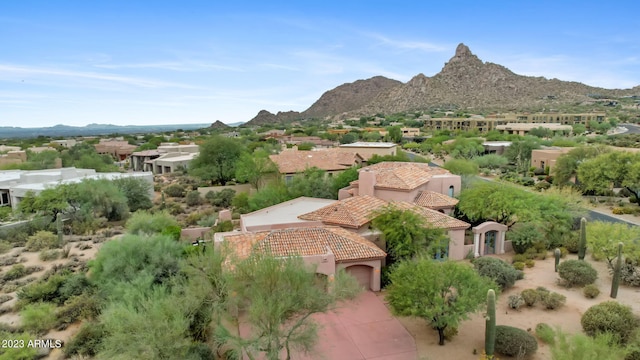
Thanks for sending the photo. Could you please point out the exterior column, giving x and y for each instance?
(476, 244)
(502, 237)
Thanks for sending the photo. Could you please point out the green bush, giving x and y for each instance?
(222, 198)
(223, 226)
(193, 198)
(87, 341)
(142, 222)
(577, 273)
(42, 240)
(504, 274)
(49, 255)
(591, 291)
(511, 341)
(38, 318)
(518, 265)
(563, 252)
(173, 231)
(174, 190)
(17, 353)
(523, 236)
(553, 300)
(85, 306)
(572, 243)
(44, 290)
(519, 258)
(529, 263)
(530, 297)
(610, 316)
(17, 271)
(515, 301)
(545, 333)
(5, 246)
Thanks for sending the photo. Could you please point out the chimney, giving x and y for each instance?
(366, 182)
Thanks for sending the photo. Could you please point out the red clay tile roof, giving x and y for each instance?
(296, 161)
(402, 175)
(352, 212)
(434, 200)
(433, 217)
(344, 244)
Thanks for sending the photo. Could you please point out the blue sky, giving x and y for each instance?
(171, 62)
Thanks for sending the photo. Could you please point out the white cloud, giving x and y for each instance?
(409, 44)
(183, 66)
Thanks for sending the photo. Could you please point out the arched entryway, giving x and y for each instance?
(488, 238)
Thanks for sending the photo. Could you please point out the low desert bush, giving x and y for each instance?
(42, 240)
(84, 306)
(142, 222)
(518, 258)
(17, 271)
(38, 318)
(5, 246)
(529, 296)
(5, 298)
(591, 291)
(612, 317)
(511, 341)
(87, 341)
(49, 255)
(577, 273)
(193, 198)
(545, 333)
(174, 190)
(501, 272)
(518, 265)
(530, 263)
(515, 301)
(553, 300)
(629, 273)
(572, 244)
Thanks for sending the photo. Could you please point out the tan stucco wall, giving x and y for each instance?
(375, 264)
(456, 245)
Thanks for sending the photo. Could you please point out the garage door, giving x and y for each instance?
(362, 273)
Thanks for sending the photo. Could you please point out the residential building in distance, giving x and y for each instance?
(120, 150)
(490, 122)
(547, 157)
(15, 184)
(13, 157)
(167, 158)
(368, 149)
(293, 161)
(66, 143)
(523, 128)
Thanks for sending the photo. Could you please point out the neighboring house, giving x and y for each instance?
(13, 157)
(490, 122)
(293, 161)
(15, 184)
(329, 248)
(496, 147)
(118, 149)
(167, 158)
(315, 140)
(68, 143)
(401, 181)
(410, 132)
(368, 149)
(543, 158)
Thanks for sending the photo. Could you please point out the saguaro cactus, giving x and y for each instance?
(557, 253)
(490, 327)
(582, 245)
(59, 228)
(616, 273)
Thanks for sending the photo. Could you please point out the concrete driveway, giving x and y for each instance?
(362, 329)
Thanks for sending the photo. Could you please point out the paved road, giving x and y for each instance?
(631, 129)
(598, 216)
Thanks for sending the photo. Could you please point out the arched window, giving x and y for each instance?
(451, 191)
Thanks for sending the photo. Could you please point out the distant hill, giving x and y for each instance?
(7, 132)
(465, 82)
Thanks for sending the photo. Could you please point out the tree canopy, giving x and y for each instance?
(255, 168)
(443, 293)
(217, 160)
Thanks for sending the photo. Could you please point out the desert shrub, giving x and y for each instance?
(222, 198)
(579, 346)
(223, 226)
(142, 222)
(563, 252)
(20, 352)
(173, 231)
(610, 316)
(504, 274)
(208, 221)
(43, 290)
(629, 273)
(511, 341)
(552, 300)
(518, 265)
(577, 273)
(38, 318)
(174, 190)
(87, 341)
(5, 246)
(85, 306)
(545, 333)
(523, 236)
(530, 297)
(450, 332)
(173, 208)
(193, 198)
(519, 258)
(5, 298)
(74, 285)
(572, 243)
(42, 240)
(17, 271)
(530, 263)
(515, 301)
(49, 255)
(591, 291)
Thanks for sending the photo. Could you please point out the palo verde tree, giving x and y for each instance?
(443, 293)
(217, 160)
(255, 168)
(566, 166)
(279, 295)
(519, 153)
(407, 234)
